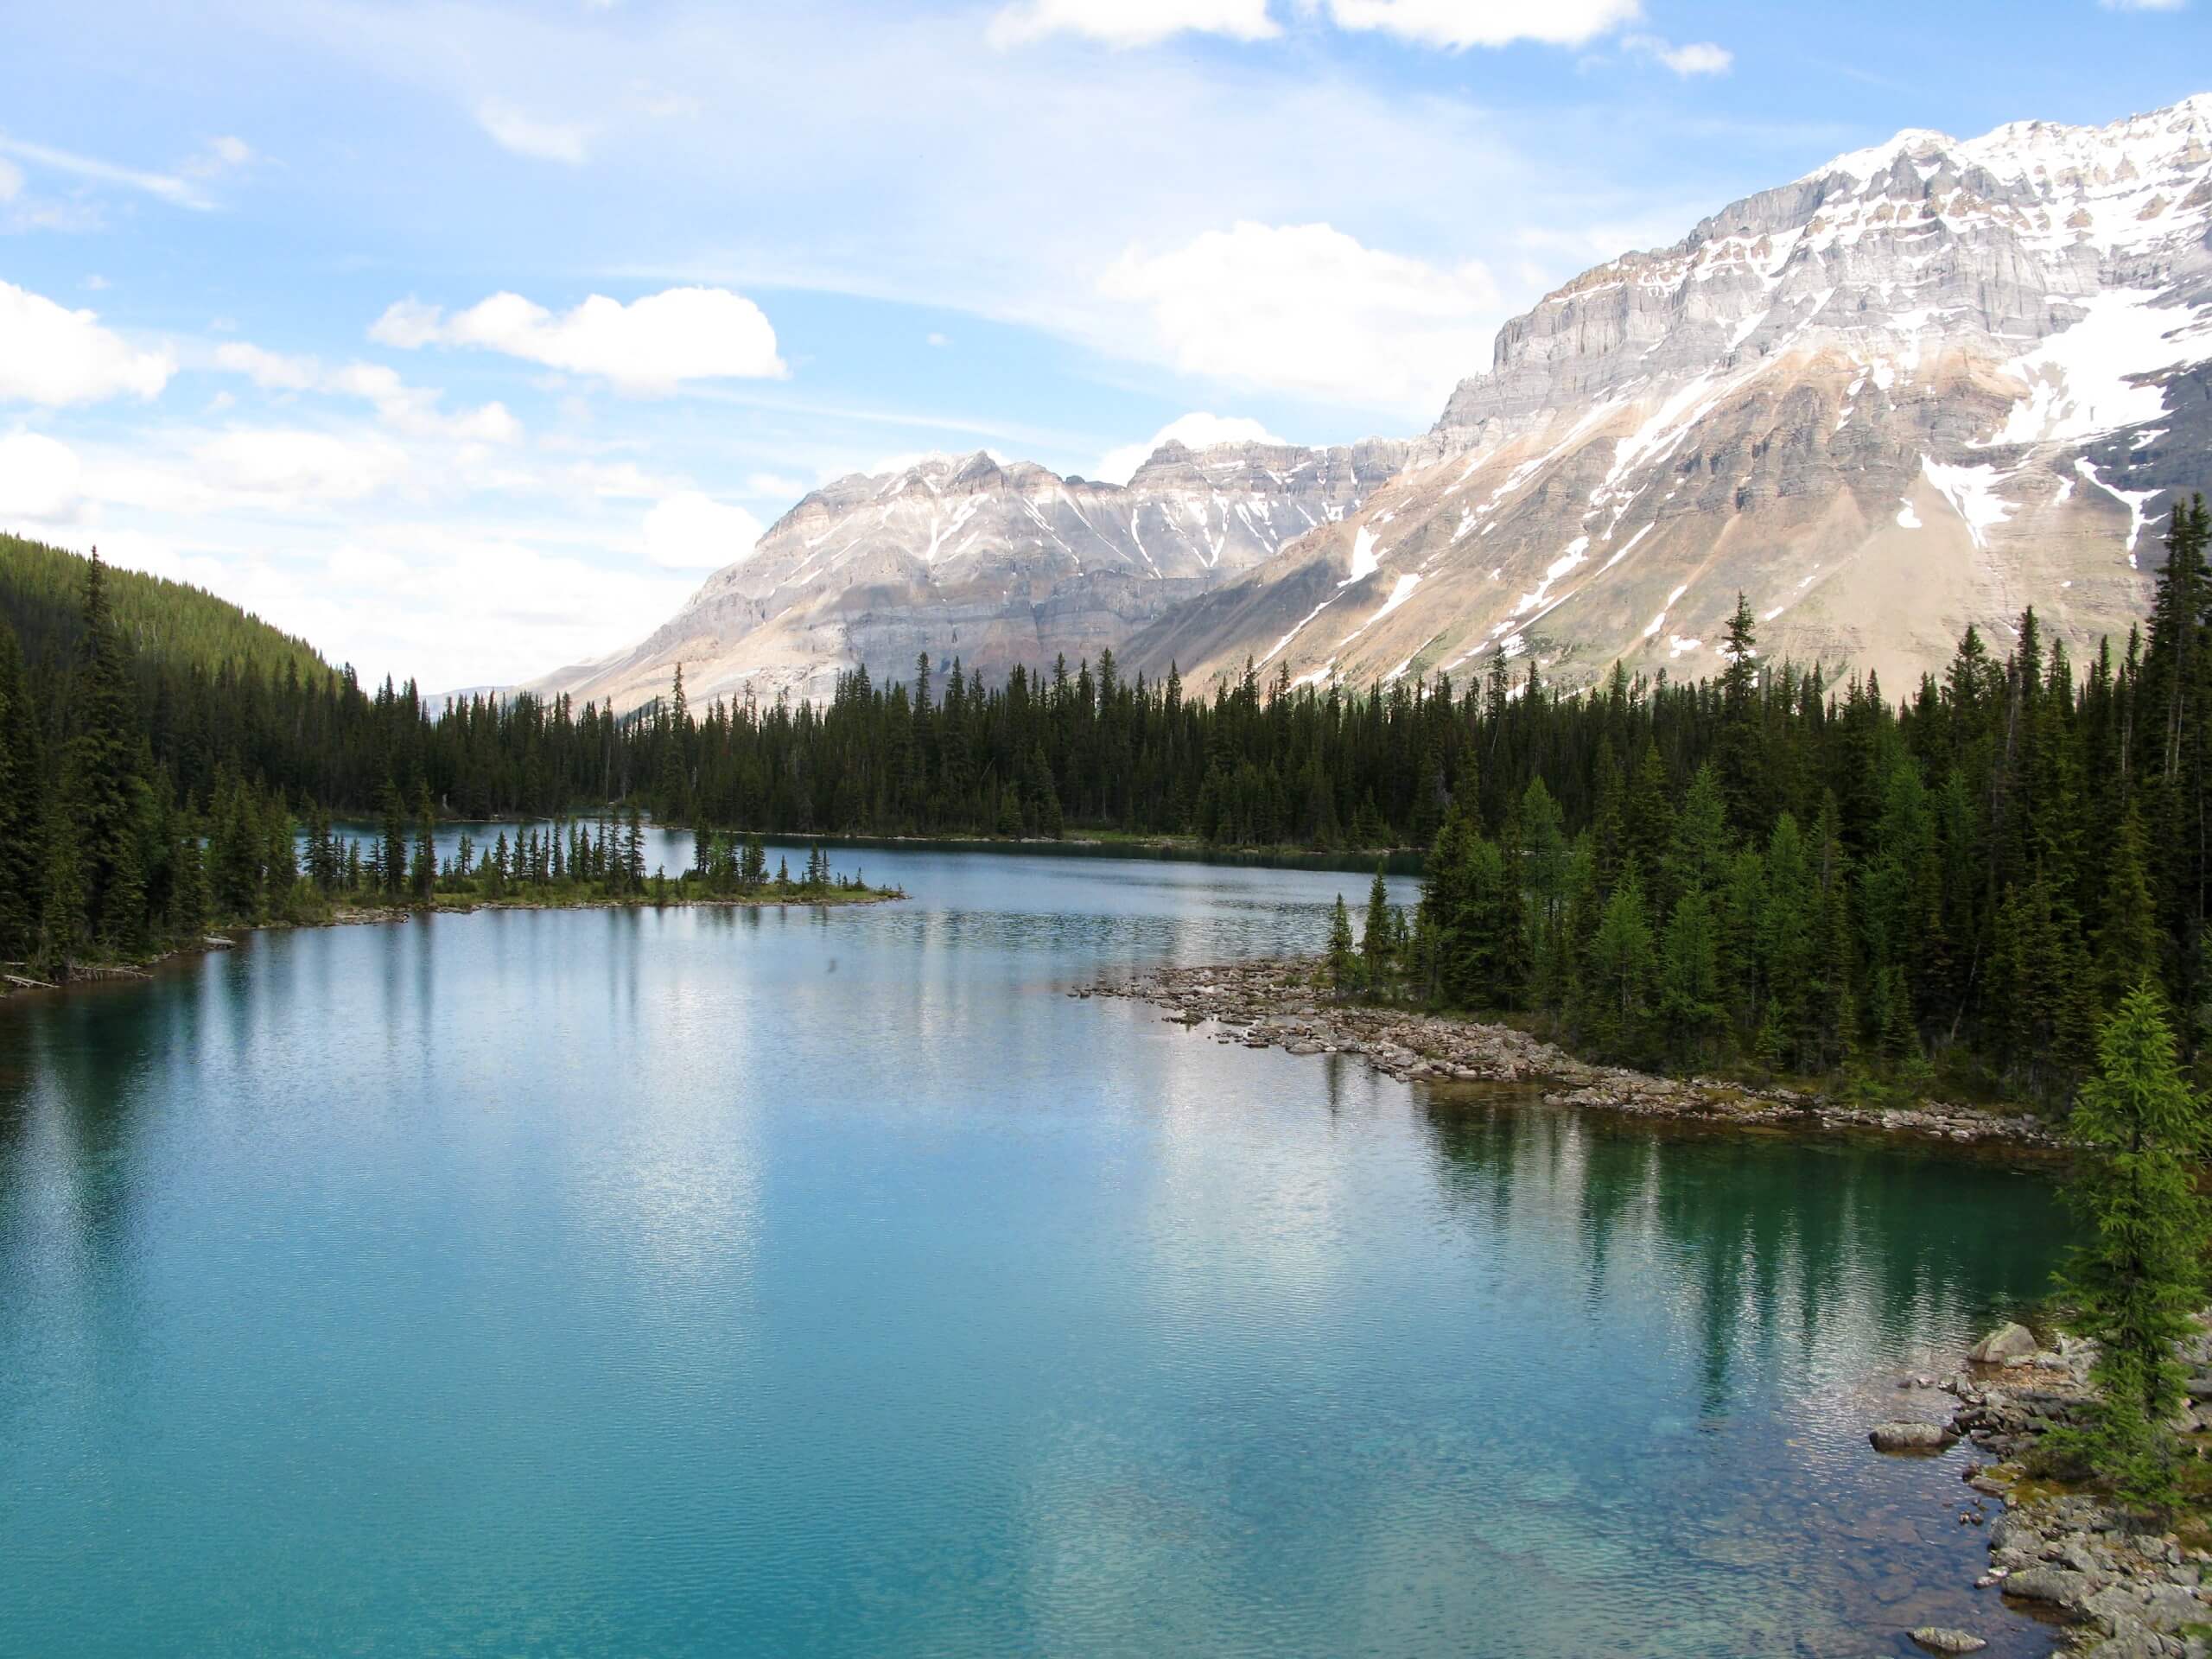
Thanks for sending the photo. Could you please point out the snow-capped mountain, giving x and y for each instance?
(996, 563)
(1927, 384)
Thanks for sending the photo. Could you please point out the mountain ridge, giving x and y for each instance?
(1927, 383)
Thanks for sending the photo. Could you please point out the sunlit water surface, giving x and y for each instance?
(831, 1282)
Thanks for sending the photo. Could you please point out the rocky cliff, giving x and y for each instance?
(994, 563)
(1928, 385)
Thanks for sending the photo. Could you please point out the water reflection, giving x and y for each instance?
(828, 1282)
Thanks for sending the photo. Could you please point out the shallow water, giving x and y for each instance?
(815, 1282)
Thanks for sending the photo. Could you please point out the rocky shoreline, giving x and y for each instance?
(1277, 1002)
(2121, 1593)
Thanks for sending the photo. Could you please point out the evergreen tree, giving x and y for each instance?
(22, 805)
(392, 862)
(1343, 964)
(103, 790)
(1377, 941)
(2139, 1131)
(423, 877)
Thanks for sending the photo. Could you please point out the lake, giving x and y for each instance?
(800, 1282)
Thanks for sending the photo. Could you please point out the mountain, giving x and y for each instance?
(995, 563)
(1928, 385)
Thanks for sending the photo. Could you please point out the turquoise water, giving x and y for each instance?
(831, 1282)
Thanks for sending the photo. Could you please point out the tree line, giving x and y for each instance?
(1776, 866)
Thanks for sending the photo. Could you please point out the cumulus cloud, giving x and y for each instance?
(541, 141)
(690, 531)
(1699, 58)
(39, 480)
(1306, 308)
(51, 355)
(651, 345)
(1459, 24)
(1197, 430)
(1130, 22)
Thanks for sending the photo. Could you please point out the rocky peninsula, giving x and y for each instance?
(1279, 1003)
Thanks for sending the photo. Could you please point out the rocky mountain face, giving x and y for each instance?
(996, 563)
(1928, 385)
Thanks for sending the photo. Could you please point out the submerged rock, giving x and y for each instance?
(1921, 1438)
(1941, 1638)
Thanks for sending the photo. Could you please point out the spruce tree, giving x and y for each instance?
(1343, 964)
(22, 805)
(103, 790)
(2139, 1131)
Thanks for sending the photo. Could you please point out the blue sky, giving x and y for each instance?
(464, 338)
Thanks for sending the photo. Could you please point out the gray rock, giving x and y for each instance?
(2006, 1342)
(1921, 1438)
(2167, 1607)
(1939, 1638)
(2054, 1586)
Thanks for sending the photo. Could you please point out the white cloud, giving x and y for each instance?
(50, 355)
(541, 141)
(39, 480)
(936, 339)
(1130, 22)
(178, 192)
(1458, 24)
(692, 531)
(1699, 58)
(283, 467)
(408, 324)
(11, 180)
(2143, 5)
(413, 410)
(652, 344)
(1197, 430)
(271, 370)
(1306, 308)
(219, 156)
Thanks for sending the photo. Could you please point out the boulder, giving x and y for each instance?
(2053, 1586)
(2008, 1342)
(1938, 1638)
(1922, 1438)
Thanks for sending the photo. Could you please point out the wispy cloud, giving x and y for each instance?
(166, 187)
(1699, 58)
(1131, 22)
(524, 135)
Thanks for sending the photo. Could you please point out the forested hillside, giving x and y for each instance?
(169, 623)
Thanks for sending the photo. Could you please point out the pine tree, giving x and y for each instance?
(1618, 989)
(2128, 939)
(2138, 1130)
(103, 789)
(22, 805)
(1342, 962)
(393, 862)
(633, 852)
(424, 874)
